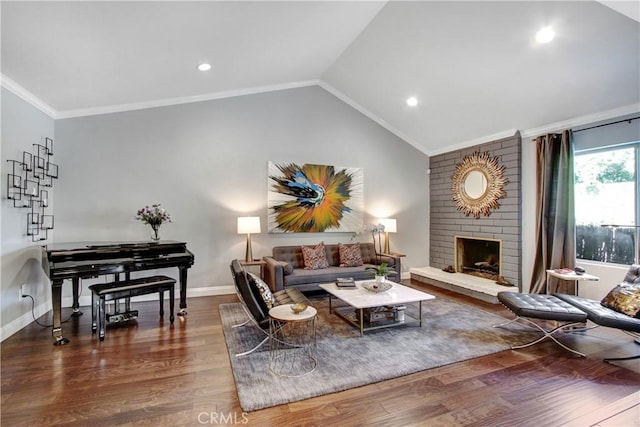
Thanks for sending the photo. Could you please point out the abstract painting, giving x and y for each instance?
(311, 198)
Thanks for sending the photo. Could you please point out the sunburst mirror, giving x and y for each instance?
(478, 184)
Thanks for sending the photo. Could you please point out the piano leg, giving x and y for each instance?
(76, 292)
(56, 296)
(183, 291)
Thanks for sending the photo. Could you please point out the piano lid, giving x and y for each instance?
(102, 250)
(69, 246)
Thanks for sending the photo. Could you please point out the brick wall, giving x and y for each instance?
(504, 223)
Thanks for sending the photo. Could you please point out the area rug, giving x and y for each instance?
(450, 332)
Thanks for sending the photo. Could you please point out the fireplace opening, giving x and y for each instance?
(478, 257)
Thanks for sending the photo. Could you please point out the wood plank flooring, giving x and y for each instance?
(152, 373)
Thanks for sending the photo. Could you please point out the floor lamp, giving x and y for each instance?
(248, 225)
(390, 226)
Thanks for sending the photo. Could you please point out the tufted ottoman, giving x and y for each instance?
(546, 307)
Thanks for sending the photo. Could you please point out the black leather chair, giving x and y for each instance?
(604, 316)
(571, 309)
(254, 305)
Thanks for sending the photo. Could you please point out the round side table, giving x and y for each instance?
(292, 347)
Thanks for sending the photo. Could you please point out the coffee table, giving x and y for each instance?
(361, 299)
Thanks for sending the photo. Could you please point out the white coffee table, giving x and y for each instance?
(360, 299)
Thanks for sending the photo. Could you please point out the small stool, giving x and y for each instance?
(292, 345)
(546, 307)
(103, 292)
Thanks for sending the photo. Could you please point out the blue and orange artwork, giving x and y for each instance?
(314, 198)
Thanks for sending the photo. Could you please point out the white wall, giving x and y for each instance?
(20, 259)
(206, 163)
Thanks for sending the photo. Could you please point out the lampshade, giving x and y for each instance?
(248, 224)
(389, 225)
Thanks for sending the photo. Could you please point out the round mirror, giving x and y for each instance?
(475, 184)
(478, 184)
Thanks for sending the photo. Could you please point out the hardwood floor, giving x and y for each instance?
(149, 373)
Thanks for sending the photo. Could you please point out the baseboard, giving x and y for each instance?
(85, 301)
(24, 320)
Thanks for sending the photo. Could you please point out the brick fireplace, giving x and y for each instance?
(503, 225)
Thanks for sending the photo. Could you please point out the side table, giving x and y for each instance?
(255, 263)
(292, 344)
(569, 275)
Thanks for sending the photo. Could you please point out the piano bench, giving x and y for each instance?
(103, 292)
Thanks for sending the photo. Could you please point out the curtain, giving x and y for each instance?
(555, 219)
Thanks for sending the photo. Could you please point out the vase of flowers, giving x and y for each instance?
(155, 216)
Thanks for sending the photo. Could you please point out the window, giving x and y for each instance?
(606, 193)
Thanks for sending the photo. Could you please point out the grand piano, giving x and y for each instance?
(76, 261)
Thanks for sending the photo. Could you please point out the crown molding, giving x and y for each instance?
(476, 141)
(344, 98)
(581, 121)
(27, 96)
(544, 129)
(67, 114)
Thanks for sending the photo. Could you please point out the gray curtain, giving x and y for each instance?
(555, 219)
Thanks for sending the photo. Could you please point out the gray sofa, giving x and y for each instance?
(285, 267)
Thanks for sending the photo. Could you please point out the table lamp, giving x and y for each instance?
(248, 225)
(390, 226)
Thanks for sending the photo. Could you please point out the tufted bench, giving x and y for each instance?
(113, 291)
(547, 307)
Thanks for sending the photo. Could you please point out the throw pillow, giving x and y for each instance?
(263, 289)
(350, 256)
(315, 257)
(287, 268)
(624, 298)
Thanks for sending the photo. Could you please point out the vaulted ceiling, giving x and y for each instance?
(474, 67)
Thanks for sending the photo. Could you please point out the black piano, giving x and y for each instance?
(77, 261)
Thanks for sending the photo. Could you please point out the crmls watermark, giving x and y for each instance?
(223, 418)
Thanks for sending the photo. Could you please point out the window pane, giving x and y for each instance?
(605, 194)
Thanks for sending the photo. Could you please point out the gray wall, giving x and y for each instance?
(22, 126)
(504, 223)
(206, 163)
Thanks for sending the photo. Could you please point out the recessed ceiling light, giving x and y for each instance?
(204, 67)
(545, 35)
(412, 101)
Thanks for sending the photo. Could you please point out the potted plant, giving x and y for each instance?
(382, 271)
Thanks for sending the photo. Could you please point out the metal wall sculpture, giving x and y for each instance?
(314, 198)
(28, 186)
(478, 184)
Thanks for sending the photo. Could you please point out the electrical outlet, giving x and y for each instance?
(22, 289)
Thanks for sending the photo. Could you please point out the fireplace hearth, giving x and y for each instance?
(479, 257)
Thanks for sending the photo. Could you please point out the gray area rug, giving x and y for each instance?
(450, 332)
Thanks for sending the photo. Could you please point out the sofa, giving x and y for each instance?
(285, 268)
